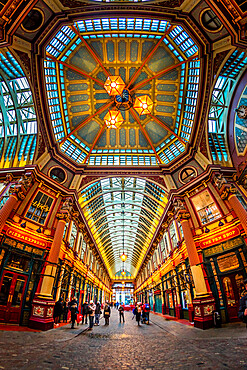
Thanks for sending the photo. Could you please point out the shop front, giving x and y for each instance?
(158, 300)
(21, 265)
(170, 294)
(226, 266)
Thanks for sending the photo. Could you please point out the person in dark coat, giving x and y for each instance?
(65, 310)
(58, 310)
(121, 312)
(138, 311)
(73, 306)
(97, 313)
(242, 312)
(107, 313)
(85, 312)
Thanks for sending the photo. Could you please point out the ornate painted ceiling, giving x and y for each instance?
(153, 58)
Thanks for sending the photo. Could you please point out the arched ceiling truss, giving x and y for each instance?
(123, 214)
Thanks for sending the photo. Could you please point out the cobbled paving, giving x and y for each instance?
(161, 345)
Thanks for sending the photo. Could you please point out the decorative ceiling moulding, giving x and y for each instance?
(59, 155)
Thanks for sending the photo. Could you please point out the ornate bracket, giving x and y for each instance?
(183, 215)
(227, 190)
(63, 216)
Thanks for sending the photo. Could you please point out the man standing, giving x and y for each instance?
(121, 313)
(242, 313)
(74, 311)
(65, 310)
(91, 312)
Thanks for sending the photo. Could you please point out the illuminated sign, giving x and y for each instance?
(25, 237)
(220, 237)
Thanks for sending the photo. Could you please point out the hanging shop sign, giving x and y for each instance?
(157, 292)
(220, 237)
(220, 248)
(25, 237)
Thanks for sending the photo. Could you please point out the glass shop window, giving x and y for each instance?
(205, 207)
(40, 208)
(173, 235)
(73, 235)
(19, 262)
(154, 260)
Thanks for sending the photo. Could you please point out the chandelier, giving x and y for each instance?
(115, 86)
(113, 119)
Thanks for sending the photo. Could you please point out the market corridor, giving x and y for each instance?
(162, 344)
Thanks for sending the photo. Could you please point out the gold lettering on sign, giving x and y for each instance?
(220, 248)
(41, 206)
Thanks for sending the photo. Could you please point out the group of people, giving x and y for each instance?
(91, 312)
(141, 312)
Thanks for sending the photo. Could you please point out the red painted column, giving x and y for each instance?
(43, 303)
(203, 303)
(238, 209)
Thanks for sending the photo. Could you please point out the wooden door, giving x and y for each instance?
(12, 288)
(232, 286)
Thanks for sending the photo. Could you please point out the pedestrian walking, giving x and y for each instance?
(121, 313)
(97, 313)
(107, 313)
(73, 306)
(145, 312)
(91, 313)
(242, 313)
(65, 310)
(138, 311)
(58, 310)
(84, 312)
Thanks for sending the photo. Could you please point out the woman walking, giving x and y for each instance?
(91, 312)
(107, 313)
(97, 313)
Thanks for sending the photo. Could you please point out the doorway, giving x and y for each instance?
(232, 285)
(12, 288)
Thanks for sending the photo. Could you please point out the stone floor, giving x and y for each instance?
(161, 345)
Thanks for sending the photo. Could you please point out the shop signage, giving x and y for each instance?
(220, 237)
(25, 237)
(156, 292)
(230, 244)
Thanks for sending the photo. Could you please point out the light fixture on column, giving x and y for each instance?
(114, 85)
(123, 255)
(123, 272)
(113, 119)
(143, 104)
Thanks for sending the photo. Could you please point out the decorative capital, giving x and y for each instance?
(183, 215)
(227, 190)
(18, 191)
(63, 216)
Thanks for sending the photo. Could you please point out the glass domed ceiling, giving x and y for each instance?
(153, 58)
(123, 214)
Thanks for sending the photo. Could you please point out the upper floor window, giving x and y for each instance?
(173, 235)
(4, 194)
(205, 207)
(73, 235)
(40, 207)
